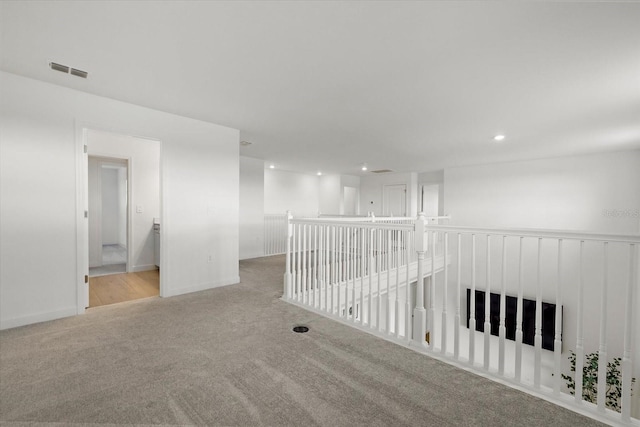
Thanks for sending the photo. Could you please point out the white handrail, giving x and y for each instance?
(541, 233)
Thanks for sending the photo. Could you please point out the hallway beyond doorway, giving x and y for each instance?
(114, 261)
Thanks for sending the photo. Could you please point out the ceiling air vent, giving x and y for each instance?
(382, 171)
(79, 73)
(68, 70)
(59, 67)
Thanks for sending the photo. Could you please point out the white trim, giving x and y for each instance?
(203, 286)
(144, 267)
(164, 259)
(38, 318)
(82, 227)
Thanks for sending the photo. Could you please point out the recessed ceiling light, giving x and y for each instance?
(272, 166)
(364, 167)
(319, 173)
(245, 143)
(498, 138)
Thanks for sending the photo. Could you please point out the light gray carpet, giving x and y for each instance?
(228, 357)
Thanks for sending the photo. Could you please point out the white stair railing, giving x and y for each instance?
(532, 297)
(275, 234)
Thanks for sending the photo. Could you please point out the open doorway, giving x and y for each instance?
(350, 201)
(430, 200)
(123, 201)
(108, 215)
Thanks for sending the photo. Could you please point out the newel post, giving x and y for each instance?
(287, 273)
(419, 313)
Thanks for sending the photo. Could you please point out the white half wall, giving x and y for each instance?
(39, 153)
(251, 208)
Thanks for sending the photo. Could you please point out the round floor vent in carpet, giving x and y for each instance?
(300, 329)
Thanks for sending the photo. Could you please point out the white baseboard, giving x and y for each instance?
(37, 318)
(252, 256)
(145, 267)
(203, 286)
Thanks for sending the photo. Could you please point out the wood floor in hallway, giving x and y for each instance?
(115, 288)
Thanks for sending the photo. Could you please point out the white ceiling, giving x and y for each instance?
(409, 86)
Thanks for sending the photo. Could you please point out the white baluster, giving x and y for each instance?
(579, 328)
(445, 285)
(298, 267)
(389, 265)
(456, 322)
(370, 273)
(472, 304)
(327, 260)
(419, 312)
(537, 339)
(362, 272)
(432, 294)
(396, 325)
(408, 305)
(602, 352)
(502, 329)
(304, 263)
(347, 251)
(557, 339)
(340, 272)
(315, 266)
(287, 274)
(487, 309)
(628, 334)
(321, 267)
(355, 268)
(518, 367)
(379, 256)
(334, 267)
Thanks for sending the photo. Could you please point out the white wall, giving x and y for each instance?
(110, 206)
(94, 205)
(330, 198)
(122, 205)
(371, 191)
(40, 123)
(251, 208)
(599, 192)
(291, 191)
(143, 156)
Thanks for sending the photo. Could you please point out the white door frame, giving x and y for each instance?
(82, 223)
